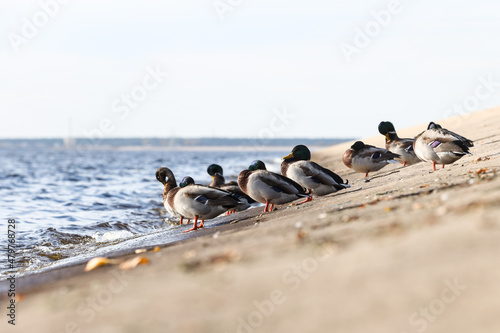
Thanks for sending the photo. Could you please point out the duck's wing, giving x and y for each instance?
(467, 142)
(281, 183)
(377, 154)
(321, 174)
(210, 196)
(457, 147)
(444, 135)
(234, 189)
(404, 143)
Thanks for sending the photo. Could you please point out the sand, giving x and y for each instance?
(409, 251)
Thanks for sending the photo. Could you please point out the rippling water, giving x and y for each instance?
(71, 206)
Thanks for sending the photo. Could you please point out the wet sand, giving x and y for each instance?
(409, 251)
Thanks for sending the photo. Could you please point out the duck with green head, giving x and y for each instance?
(402, 147)
(194, 201)
(365, 158)
(215, 171)
(440, 146)
(316, 179)
(268, 187)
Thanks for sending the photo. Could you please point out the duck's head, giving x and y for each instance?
(358, 145)
(186, 181)
(387, 129)
(300, 153)
(433, 125)
(163, 174)
(257, 165)
(214, 169)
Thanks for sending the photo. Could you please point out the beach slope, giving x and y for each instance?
(410, 250)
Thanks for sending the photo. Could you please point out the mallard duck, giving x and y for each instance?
(269, 187)
(440, 146)
(242, 198)
(167, 178)
(365, 158)
(310, 175)
(215, 171)
(403, 147)
(186, 181)
(196, 201)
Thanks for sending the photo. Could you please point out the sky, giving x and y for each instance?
(237, 68)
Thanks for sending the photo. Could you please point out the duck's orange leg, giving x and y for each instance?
(404, 164)
(310, 198)
(267, 206)
(182, 218)
(433, 166)
(366, 174)
(442, 167)
(229, 212)
(195, 226)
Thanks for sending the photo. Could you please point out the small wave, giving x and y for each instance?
(112, 235)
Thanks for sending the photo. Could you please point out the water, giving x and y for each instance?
(70, 206)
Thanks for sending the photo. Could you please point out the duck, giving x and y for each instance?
(193, 201)
(401, 146)
(166, 177)
(365, 158)
(316, 179)
(440, 146)
(215, 171)
(269, 187)
(186, 181)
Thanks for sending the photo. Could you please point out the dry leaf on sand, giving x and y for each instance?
(134, 262)
(96, 262)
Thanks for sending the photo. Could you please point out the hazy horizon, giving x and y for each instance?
(241, 69)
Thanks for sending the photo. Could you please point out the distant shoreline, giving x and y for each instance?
(173, 144)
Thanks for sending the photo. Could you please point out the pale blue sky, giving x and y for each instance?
(231, 77)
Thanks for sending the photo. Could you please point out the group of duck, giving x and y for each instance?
(300, 177)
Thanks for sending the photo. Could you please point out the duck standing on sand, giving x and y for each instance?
(215, 171)
(402, 147)
(269, 187)
(440, 146)
(310, 175)
(365, 158)
(194, 201)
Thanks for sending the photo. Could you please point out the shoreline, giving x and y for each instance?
(365, 259)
